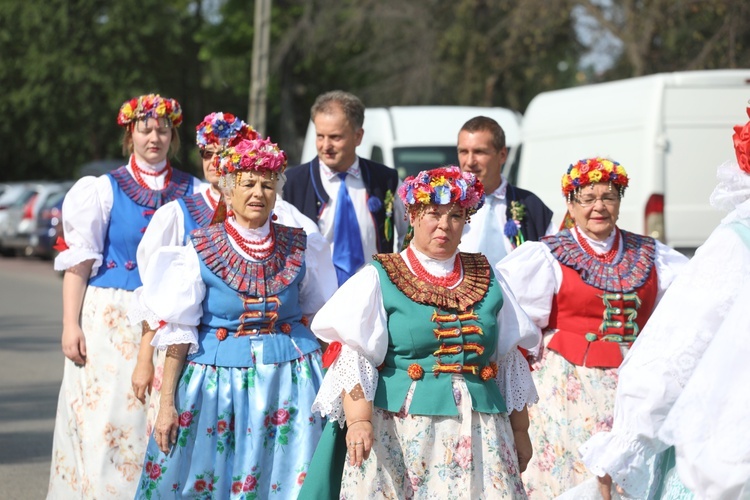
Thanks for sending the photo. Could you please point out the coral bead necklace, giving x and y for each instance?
(257, 249)
(606, 257)
(448, 281)
(211, 200)
(138, 174)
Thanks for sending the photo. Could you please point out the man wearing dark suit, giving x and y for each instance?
(510, 215)
(352, 199)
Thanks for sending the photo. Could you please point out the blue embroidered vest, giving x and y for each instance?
(248, 303)
(197, 213)
(434, 332)
(132, 209)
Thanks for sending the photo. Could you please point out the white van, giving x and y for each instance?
(414, 138)
(670, 131)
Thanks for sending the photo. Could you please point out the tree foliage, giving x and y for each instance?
(67, 65)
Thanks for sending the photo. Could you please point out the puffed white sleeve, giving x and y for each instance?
(515, 329)
(664, 356)
(356, 319)
(289, 215)
(171, 298)
(534, 276)
(669, 262)
(319, 283)
(166, 228)
(86, 210)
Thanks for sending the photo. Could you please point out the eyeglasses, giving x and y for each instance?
(609, 200)
(207, 154)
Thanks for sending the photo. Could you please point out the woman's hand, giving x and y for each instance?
(74, 344)
(167, 425)
(142, 378)
(605, 487)
(359, 439)
(523, 448)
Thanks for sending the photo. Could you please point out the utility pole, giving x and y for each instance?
(259, 70)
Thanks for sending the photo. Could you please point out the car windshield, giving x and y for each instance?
(412, 160)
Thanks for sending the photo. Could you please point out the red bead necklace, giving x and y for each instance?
(138, 174)
(211, 201)
(606, 257)
(246, 244)
(448, 281)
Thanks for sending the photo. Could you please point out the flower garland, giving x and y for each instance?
(443, 186)
(150, 106)
(222, 129)
(591, 171)
(259, 155)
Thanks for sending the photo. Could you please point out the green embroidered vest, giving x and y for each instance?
(434, 332)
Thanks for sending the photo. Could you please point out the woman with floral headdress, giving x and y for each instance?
(426, 392)
(241, 369)
(99, 436)
(591, 289)
(173, 223)
(682, 393)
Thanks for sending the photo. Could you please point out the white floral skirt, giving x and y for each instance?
(100, 427)
(471, 456)
(575, 402)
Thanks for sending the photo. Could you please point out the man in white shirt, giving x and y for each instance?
(510, 215)
(358, 218)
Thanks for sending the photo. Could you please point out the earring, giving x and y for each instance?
(230, 213)
(274, 217)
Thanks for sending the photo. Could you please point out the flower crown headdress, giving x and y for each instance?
(443, 186)
(258, 155)
(741, 139)
(593, 170)
(150, 106)
(222, 129)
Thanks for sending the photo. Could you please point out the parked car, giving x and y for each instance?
(49, 227)
(23, 218)
(14, 197)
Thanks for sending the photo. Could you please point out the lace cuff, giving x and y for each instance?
(351, 368)
(625, 460)
(515, 382)
(72, 256)
(173, 334)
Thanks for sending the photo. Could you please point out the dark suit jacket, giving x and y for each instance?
(304, 190)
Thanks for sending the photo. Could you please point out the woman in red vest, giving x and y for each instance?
(591, 289)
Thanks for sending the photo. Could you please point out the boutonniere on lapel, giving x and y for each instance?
(513, 226)
(375, 205)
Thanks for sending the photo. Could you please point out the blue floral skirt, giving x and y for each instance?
(244, 432)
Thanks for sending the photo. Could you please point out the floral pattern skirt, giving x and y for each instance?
(471, 456)
(575, 402)
(244, 433)
(100, 427)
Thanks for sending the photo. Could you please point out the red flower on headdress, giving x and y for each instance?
(741, 139)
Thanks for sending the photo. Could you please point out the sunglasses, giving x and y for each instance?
(207, 155)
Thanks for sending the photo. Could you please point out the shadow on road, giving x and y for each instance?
(25, 447)
(25, 404)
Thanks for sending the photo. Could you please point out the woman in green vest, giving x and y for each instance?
(426, 390)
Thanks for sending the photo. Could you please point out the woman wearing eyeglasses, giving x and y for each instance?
(100, 427)
(591, 288)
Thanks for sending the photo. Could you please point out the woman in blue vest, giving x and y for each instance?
(426, 388)
(172, 224)
(100, 426)
(241, 369)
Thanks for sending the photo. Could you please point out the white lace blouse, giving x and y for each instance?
(679, 383)
(173, 290)
(86, 210)
(356, 317)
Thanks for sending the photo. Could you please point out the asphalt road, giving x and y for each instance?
(31, 365)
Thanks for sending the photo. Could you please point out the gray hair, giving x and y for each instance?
(352, 106)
